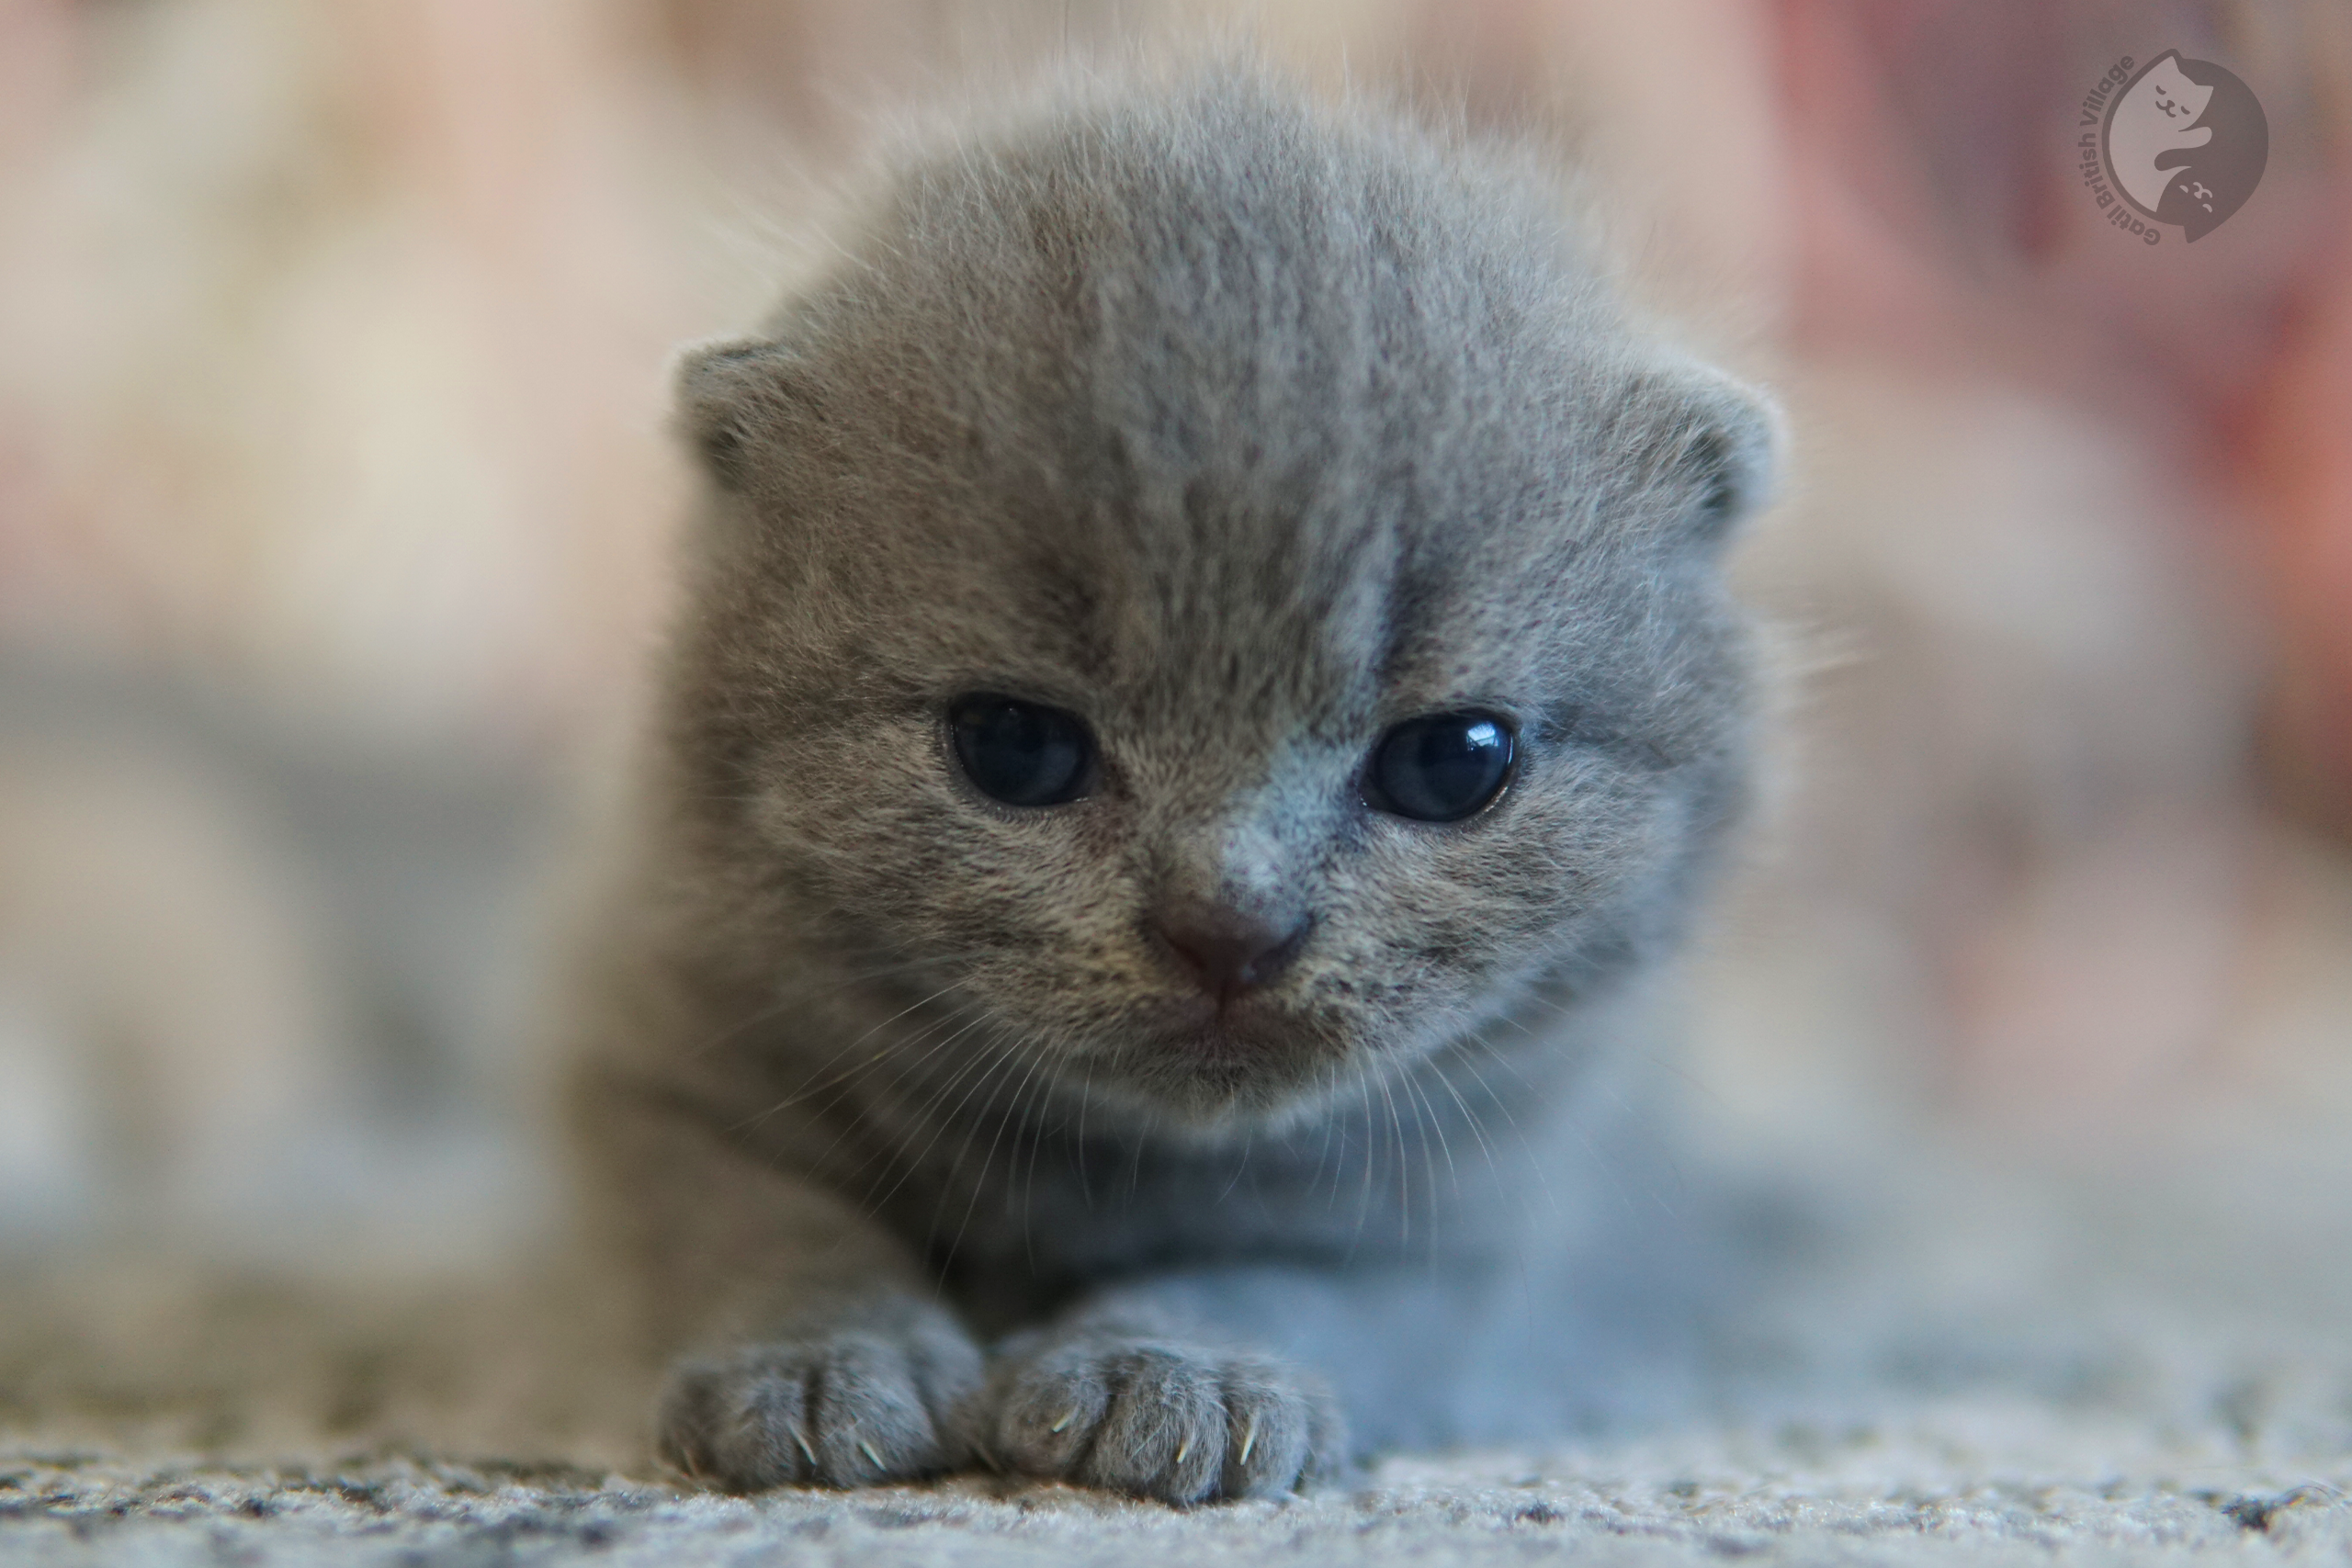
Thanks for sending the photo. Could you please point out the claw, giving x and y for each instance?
(1249, 1439)
(867, 1450)
(1183, 1448)
(807, 1452)
(1063, 1425)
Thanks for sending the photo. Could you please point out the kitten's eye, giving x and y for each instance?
(1439, 768)
(1019, 752)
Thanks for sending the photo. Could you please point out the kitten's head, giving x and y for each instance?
(1216, 588)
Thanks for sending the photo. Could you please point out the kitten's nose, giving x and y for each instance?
(1229, 950)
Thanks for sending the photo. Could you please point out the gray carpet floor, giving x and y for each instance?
(1796, 1496)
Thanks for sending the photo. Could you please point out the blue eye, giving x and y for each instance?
(1439, 768)
(1020, 753)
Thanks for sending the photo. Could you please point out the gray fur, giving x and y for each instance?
(1244, 428)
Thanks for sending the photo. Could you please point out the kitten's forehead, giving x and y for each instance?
(1229, 583)
(1269, 416)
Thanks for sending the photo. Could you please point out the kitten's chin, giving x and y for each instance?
(1244, 1070)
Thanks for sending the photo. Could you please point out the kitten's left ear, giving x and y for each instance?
(1718, 451)
(733, 399)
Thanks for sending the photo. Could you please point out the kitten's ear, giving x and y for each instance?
(1719, 451)
(733, 398)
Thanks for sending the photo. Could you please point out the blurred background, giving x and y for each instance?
(334, 493)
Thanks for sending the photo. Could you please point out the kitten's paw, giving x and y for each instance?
(1163, 1419)
(851, 1407)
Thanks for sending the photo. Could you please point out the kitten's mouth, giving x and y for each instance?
(1220, 1043)
(1238, 1029)
(1208, 1063)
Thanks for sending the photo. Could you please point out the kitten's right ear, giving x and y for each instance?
(1724, 445)
(733, 398)
(1703, 446)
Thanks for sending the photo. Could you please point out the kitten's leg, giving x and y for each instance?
(816, 1350)
(1154, 1385)
(1234, 1382)
(1122, 1397)
(1224, 1383)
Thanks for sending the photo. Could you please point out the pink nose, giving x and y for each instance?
(1227, 950)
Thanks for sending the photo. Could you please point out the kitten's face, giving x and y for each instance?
(1208, 724)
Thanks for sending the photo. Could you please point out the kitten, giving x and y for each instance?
(1204, 685)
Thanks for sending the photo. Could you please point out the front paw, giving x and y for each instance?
(846, 1407)
(1159, 1418)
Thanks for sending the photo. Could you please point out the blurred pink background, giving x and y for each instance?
(334, 493)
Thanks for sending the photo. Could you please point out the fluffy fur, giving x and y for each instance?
(1243, 428)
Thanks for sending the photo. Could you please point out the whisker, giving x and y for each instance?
(1426, 1121)
(923, 1111)
(1029, 1191)
(1037, 1060)
(1085, 1093)
(1364, 1197)
(1477, 1127)
(1323, 1150)
(807, 1089)
(1248, 1142)
(725, 1033)
(1404, 1169)
(1534, 1162)
(1004, 1057)
(1135, 1166)
(973, 1015)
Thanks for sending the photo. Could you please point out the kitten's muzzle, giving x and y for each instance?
(1228, 950)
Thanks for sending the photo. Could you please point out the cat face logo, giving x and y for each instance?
(2183, 142)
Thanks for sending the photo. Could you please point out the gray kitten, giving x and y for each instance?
(1204, 683)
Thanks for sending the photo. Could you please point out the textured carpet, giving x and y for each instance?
(1854, 1497)
(1971, 1362)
